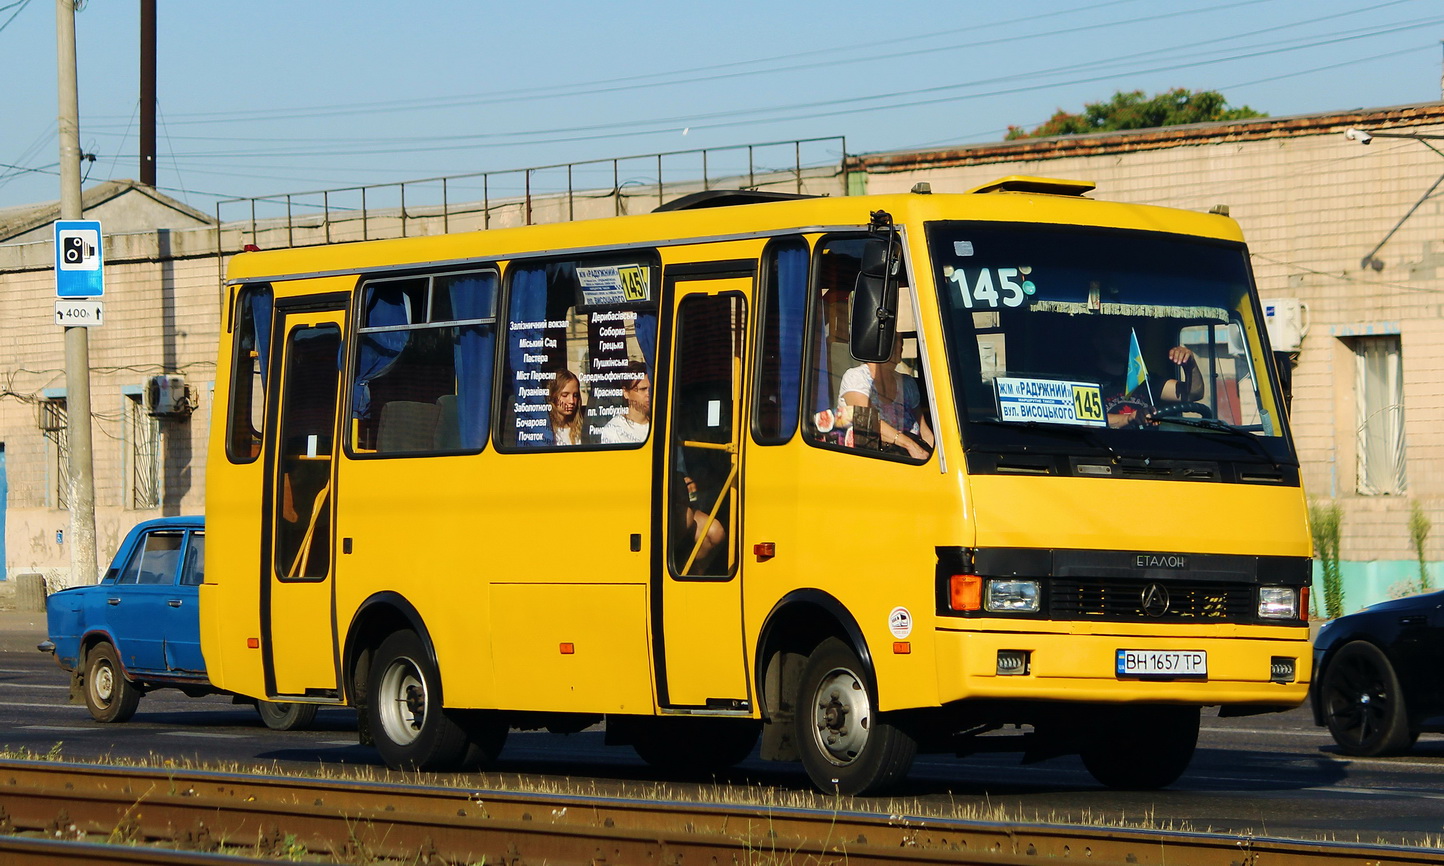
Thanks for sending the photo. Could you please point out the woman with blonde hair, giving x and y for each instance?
(564, 396)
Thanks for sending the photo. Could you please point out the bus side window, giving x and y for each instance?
(779, 357)
(247, 412)
(882, 408)
(424, 363)
(575, 332)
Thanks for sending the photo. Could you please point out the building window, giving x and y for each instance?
(54, 421)
(1379, 415)
(142, 455)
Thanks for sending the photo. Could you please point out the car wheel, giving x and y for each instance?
(1140, 748)
(1363, 703)
(847, 746)
(109, 696)
(404, 709)
(286, 716)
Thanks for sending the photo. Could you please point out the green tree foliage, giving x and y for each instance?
(1419, 526)
(1326, 524)
(1136, 111)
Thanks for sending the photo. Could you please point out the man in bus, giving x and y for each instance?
(632, 425)
(1130, 393)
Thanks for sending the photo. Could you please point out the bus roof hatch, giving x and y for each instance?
(1027, 183)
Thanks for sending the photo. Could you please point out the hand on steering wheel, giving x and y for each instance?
(1174, 410)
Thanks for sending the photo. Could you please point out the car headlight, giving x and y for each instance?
(1278, 602)
(1011, 596)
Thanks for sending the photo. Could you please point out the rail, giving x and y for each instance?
(358, 821)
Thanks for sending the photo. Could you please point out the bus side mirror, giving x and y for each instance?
(872, 313)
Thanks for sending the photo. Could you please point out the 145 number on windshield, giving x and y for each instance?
(991, 287)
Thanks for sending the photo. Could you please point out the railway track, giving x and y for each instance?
(46, 806)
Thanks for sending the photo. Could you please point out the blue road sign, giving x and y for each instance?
(79, 263)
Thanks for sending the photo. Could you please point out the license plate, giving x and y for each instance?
(1162, 663)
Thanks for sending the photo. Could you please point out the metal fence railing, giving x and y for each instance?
(524, 196)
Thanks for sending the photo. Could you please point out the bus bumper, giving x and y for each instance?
(1084, 668)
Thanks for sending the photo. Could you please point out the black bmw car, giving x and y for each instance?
(1377, 675)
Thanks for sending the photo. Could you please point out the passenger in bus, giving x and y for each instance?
(564, 396)
(1130, 392)
(896, 403)
(632, 425)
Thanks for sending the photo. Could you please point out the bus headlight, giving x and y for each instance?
(1278, 602)
(1011, 596)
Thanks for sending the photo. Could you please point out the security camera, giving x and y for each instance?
(1358, 135)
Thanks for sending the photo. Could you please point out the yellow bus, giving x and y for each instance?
(839, 479)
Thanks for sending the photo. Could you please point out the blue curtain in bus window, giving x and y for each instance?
(260, 303)
(645, 326)
(527, 322)
(791, 304)
(378, 351)
(474, 298)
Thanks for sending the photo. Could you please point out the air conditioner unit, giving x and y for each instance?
(168, 397)
(1287, 320)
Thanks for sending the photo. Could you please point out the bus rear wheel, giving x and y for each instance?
(404, 709)
(1140, 748)
(847, 746)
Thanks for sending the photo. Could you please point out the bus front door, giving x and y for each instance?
(701, 660)
(298, 621)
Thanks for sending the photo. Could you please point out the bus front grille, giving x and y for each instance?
(1142, 601)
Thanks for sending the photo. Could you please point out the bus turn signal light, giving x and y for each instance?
(253, 643)
(965, 592)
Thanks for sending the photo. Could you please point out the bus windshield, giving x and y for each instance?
(1109, 335)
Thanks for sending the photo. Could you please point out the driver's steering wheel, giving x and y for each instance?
(1174, 410)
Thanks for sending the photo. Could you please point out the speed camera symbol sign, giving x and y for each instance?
(79, 271)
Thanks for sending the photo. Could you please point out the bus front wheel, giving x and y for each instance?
(847, 746)
(1140, 748)
(404, 710)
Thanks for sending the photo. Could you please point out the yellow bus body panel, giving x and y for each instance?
(1146, 516)
(509, 558)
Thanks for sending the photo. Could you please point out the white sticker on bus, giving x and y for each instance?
(900, 622)
(1050, 400)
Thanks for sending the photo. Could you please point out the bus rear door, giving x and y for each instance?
(699, 647)
(298, 619)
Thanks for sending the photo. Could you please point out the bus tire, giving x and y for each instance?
(404, 709)
(1364, 704)
(1140, 748)
(847, 746)
(109, 696)
(695, 746)
(286, 716)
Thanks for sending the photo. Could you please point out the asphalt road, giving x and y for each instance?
(1274, 775)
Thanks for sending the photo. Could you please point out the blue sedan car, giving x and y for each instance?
(139, 628)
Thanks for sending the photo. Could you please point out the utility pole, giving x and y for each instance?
(147, 92)
(77, 342)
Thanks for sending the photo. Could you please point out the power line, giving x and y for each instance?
(731, 118)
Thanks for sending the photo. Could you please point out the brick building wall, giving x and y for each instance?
(1311, 203)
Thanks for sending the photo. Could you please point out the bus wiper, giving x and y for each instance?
(1067, 432)
(1221, 427)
